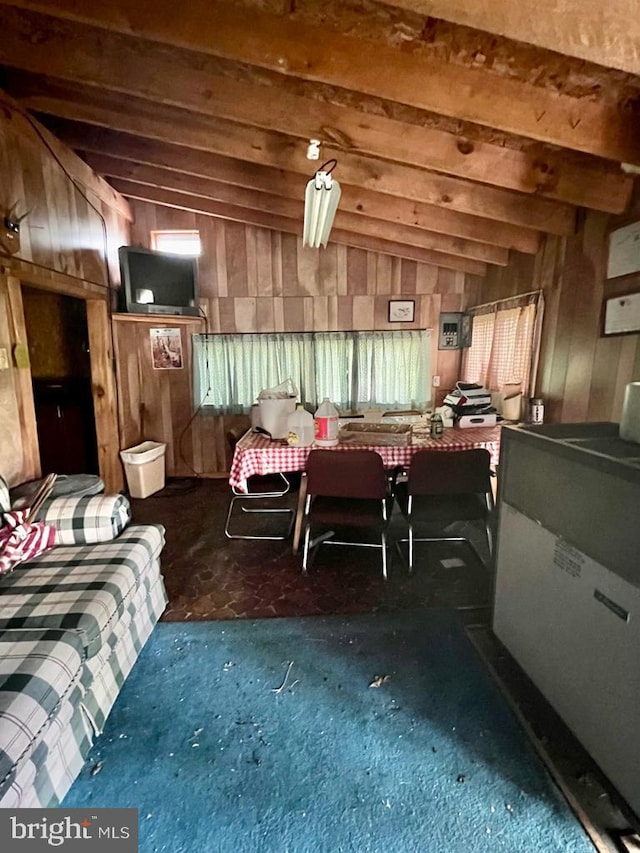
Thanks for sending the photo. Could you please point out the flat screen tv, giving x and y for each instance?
(157, 282)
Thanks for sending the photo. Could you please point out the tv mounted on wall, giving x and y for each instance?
(157, 282)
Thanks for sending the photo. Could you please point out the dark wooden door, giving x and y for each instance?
(66, 426)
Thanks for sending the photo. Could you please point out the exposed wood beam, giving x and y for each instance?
(170, 76)
(293, 208)
(130, 157)
(302, 50)
(169, 124)
(605, 33)
(197, 204)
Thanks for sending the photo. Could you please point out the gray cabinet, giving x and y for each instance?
(567, 590)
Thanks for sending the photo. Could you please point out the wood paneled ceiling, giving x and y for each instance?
(454, 145)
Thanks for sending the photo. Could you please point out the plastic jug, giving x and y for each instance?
(301, 428)
(326, 424)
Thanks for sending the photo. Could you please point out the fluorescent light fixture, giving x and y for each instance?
(320, 204)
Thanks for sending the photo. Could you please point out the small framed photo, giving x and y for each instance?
(166, 349)
(402, 310)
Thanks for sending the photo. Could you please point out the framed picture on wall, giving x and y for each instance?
(166, 349)
(402, 310)
(621, 314)
(624, 251)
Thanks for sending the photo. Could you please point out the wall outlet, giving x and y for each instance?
(4, 358)
(435, 381)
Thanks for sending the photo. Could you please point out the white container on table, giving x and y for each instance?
(300, 428)
(274, 413)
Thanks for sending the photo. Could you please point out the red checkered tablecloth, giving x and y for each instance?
(257, 454)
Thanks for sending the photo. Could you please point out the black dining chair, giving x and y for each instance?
(349, 491)
(259, 488)
(443, 487)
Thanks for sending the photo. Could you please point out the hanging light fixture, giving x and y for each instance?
(320, 204)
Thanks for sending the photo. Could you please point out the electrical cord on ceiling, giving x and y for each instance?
(323, 168)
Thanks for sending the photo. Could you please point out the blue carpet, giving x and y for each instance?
(216, 760)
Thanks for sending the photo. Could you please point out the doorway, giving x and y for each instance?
(58, 337)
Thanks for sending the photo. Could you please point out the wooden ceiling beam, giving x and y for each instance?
(311, 52)
(197, 204)
(87, 55)
(135, 154)
(170, 124)
(605, 33)
(294, 209)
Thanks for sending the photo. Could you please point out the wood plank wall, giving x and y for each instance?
(70, 226)
(582, 376)
(63, 240)
(256, 280)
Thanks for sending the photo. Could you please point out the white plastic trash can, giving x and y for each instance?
(144, 467)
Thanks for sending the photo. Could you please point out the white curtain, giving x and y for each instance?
(504, 344)
(354, 369)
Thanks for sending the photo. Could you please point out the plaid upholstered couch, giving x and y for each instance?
(72, 623)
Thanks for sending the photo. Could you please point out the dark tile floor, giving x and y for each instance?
(211, 577)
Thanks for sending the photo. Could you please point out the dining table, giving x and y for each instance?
(257, 454)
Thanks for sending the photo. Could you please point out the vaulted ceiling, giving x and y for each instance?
(454, 145)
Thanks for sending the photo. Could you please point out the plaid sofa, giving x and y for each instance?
(72, 623)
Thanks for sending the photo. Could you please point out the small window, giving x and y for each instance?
(177, 242)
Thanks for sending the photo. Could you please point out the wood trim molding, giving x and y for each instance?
(103, 386)
(48, 279)
(24, 387)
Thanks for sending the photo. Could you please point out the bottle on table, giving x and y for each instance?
(326, 424)
(300, 428)
(536, 410)
(436, 425)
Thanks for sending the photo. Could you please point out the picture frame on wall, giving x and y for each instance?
(623, 257)
(402, 310)
(621, 314)
(166, 349)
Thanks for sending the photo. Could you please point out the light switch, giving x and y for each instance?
(435, 381)
(4, 358)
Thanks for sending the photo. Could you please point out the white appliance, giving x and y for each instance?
(567, 586)
(274, 414)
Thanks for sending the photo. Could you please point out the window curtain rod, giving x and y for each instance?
(509, 301)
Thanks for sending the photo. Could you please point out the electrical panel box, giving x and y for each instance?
(454, 331)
